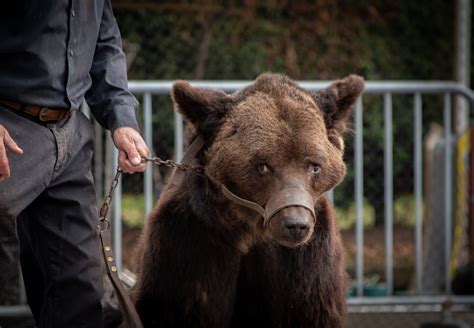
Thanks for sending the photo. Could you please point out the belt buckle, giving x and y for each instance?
(41, 113)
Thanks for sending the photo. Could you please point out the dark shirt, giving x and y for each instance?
(54, 53)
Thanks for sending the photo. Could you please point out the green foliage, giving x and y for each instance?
(404, 210)
(346, 218)
(133, 209)
(324, 40)
(403, 213)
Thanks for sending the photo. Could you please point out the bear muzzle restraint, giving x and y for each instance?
(289, 197)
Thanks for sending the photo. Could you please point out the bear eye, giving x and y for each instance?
(314, 168)
(263, 168)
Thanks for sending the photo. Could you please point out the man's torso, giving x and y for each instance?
(46, 50)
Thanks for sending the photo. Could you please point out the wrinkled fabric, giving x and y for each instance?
(54, 53)
(50, 196)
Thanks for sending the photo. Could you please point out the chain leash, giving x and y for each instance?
(104, 223)
(196, 169)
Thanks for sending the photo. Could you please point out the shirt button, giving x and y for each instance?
(74, 40)
(71, 53)
(73, 13)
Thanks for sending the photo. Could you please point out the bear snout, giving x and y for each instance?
(292, 226)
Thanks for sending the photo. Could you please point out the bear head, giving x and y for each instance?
(269, 139)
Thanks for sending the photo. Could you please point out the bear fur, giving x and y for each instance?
(205, 261)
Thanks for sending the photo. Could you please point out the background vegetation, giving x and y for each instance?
(308, 40)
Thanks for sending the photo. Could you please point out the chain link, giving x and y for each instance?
(104, 222)
(196, 169)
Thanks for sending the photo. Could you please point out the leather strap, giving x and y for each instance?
(289, 197)
(43, 114)
(128, 309)
(196, 146)
(244, 202)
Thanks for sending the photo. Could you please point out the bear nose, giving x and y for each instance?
(295, 227)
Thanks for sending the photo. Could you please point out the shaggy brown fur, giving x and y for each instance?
(207, 262)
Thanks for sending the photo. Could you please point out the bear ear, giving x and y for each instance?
(198, 104)
(336, 102)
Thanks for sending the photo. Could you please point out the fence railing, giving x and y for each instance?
(387, 90)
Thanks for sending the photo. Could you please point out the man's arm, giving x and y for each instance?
(6, 142)
(113, 106)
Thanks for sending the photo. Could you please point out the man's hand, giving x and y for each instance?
(6, 142)
(131, 148)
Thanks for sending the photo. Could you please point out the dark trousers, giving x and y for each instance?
(50, 197)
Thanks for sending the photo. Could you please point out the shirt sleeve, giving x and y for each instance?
(110, 100)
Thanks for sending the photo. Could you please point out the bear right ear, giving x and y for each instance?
(198, 104)
(336, 101)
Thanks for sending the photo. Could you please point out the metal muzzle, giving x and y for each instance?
(288, 197)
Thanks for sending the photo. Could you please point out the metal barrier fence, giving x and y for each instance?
(385, 89)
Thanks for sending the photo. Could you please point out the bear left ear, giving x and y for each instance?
(336, 102)
(198, 105)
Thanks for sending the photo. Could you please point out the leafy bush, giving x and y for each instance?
(404, 210)
(346, 218)
(133, 209)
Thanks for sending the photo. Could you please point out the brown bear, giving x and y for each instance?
(253, 240)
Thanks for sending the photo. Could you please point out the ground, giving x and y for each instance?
(374, 254)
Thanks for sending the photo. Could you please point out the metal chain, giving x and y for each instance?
(196, 169)
(104, 223)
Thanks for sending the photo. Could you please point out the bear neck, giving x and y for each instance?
(220, 216)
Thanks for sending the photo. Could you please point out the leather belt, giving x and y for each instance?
(43, 114)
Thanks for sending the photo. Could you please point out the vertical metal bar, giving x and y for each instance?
(148, 175)
(418, 133)
(178, 136)
(359, 197)
(448, 189)
(331, 196)
(388, 182)
(117, 216)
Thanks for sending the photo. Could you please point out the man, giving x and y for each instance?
(53, 55)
